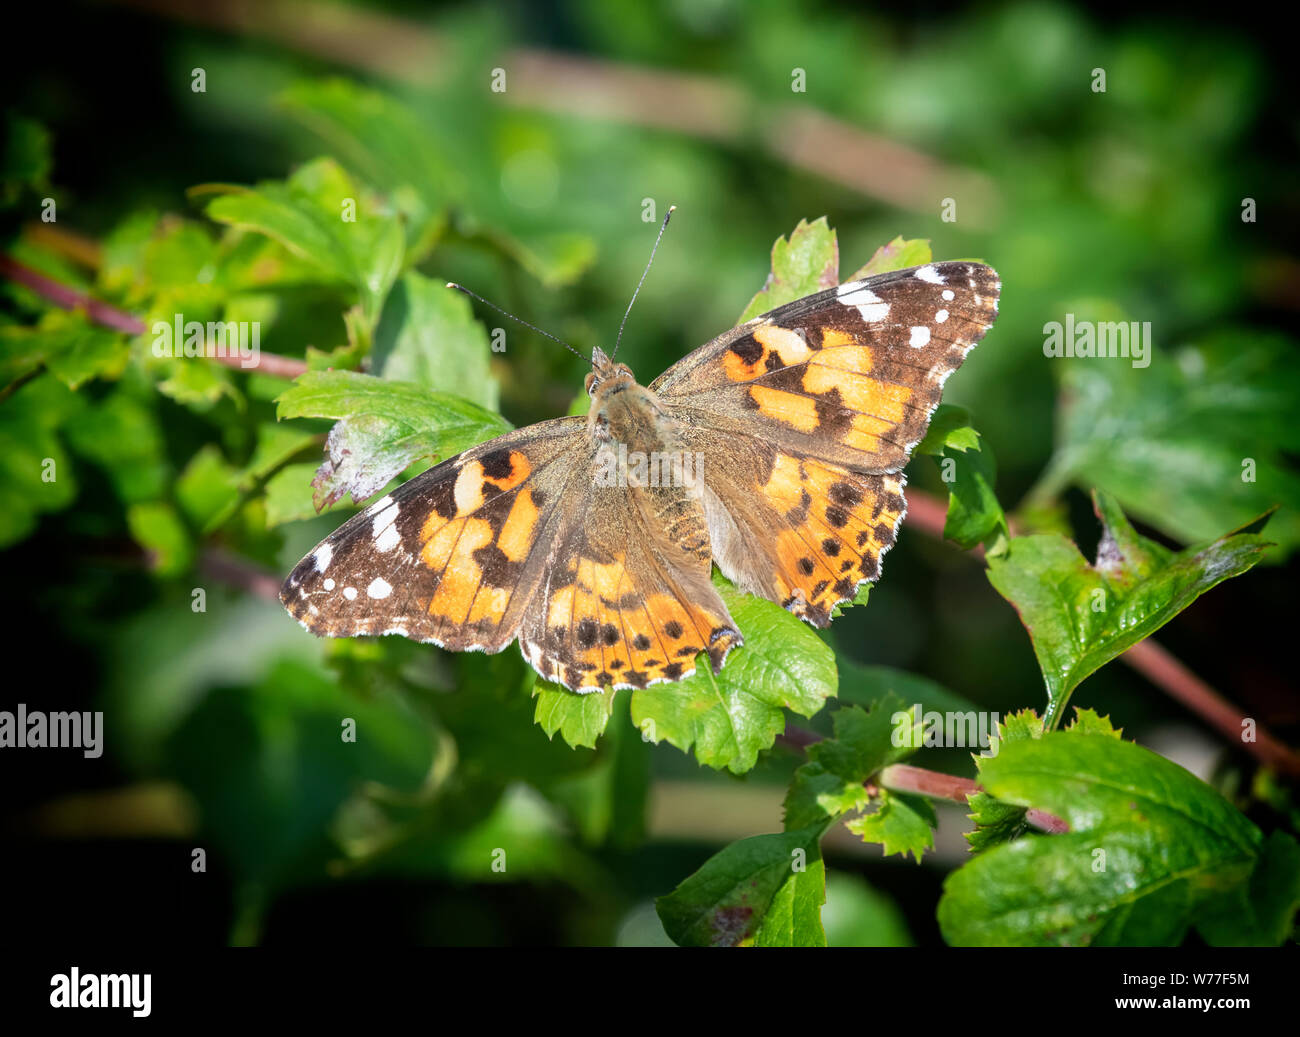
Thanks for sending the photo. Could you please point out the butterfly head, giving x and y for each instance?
(606, 377)
(621, 408)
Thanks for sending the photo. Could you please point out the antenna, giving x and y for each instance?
(662, 228)
(507, 313)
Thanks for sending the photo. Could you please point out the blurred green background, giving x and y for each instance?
(222, 725)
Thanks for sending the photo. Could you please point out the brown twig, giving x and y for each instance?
(928, 513)
(239, 572)
(109, 316)
(901, 777)
(70, 298)
(1178, 682)
(709, 107)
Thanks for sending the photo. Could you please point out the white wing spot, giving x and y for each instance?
(929, 274)
(380, 505)
(941, 316)
(385, 529)
(379, 588)
(920, 337)
(387, 540)
(350, 593)
(329, 583)
(864, 300)
(323, 555)
(947, 295)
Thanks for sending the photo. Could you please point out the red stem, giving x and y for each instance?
(119, 320)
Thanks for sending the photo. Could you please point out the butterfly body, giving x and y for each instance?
(774, 451)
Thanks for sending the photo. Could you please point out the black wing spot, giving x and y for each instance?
(673, 629)
(587, 633)
(496, 465)
(747, 349)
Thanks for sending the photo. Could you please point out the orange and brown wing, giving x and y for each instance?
(799, 531)
(452, 556)
(623, 605)
(850, 375)
(805, 417)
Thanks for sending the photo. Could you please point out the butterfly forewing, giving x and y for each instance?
(451, 556)
(850, 375)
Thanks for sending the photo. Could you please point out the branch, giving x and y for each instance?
(928, 514)
(901, 777)
(239, 572)
(109, 316)
(709, 107)
(69, 298)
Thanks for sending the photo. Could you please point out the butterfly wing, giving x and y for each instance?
(807, 415)
(514, 539)
(628, 599)
(452, 556)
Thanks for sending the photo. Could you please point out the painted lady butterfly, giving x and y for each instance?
(775, 452)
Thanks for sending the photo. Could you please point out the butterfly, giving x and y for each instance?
(775, 452)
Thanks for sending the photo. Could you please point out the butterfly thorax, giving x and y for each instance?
(639, 452)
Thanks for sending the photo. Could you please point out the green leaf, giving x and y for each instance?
(866, 685)
(899, 254)
(608, 800)
(158, 528)
(36, 473)
(967, 467)
(386, 144)
(208, 489)
(950, 427)
(832, 781)
(382, 428)
(808, 262)
(579, 719)
(729, 717)
(24, 158)
(1200, 441)
(856, 915)
(1081, 616)
(122, 435)
(794, 918)
(289, 494)
(1148, 843)
(903, 824)
(997, 822)
(556, 260)
(428, 336)
(725, 902)
(1261, 913)
(285, 769)
(323, 216)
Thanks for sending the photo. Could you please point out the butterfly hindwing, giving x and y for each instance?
(626, 602)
